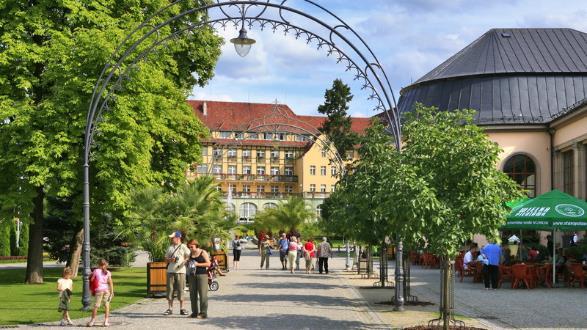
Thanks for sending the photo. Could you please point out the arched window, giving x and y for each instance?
(521, 169)
(269, 206)
(247, 211)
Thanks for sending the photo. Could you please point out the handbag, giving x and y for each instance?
(94, 283)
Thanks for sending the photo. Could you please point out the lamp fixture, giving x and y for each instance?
(242, 44)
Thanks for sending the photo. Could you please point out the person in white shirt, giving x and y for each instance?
(65, 286)
(469, 256)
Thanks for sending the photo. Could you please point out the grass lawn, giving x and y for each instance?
(25, 304)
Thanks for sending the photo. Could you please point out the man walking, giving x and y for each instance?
(324, 252)
(177, 255)
(492, 252)
(265, 252)
(283, 248)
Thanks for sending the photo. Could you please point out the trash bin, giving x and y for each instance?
(156, 279)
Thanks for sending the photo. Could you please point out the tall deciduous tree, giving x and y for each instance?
(458, 162)
(337, 125)
(52, 52)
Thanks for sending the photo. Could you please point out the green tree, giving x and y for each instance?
(289, 215)
(337, 125)
(52, 54)
(457, 162)
(196, 209)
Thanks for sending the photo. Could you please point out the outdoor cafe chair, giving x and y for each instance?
(520, 275)
(505, 274)
(577, 275)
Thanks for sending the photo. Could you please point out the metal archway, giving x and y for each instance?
(302, 18)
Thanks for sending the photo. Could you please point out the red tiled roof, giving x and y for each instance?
(261, 117)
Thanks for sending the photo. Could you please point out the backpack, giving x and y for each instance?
(94, 285)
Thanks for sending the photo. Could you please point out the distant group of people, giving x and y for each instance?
(292, 250)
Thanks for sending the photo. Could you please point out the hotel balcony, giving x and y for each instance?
(278, 195)
(256, 178)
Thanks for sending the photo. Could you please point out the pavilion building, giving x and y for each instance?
(529, 87)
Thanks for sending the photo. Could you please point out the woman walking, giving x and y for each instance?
(104, 291)
(198, 279)
(292, 253)
(309, 254)
(237, 247)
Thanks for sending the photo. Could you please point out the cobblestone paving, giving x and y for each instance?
(262, 299)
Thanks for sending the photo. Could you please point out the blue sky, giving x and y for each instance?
(409, 37)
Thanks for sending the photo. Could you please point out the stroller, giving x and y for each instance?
(213, 284)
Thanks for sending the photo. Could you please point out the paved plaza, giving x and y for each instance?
(273, 299)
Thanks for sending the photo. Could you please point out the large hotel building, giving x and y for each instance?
(261, 154)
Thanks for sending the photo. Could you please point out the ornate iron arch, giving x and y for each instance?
(317, 25)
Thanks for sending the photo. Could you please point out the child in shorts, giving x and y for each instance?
(104, 291)
(64, 287)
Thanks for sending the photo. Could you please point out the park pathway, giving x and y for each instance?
(262, 299)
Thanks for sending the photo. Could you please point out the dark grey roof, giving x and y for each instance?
(508, 76)
(517, 51)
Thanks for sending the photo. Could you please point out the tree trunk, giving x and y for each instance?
(34, 266)
(445, 292)
(76, 251)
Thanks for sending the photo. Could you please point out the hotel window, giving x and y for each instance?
(225, 135)
(231, 153)
(323, 188)
(232, 187)
(246, 188)
(253, 136)
(247, 211)
(268, 136)
(568, 172)
(312, 170)
(319, 211)
(260, 154)
(289, 189)
(275, 189)
(260, 170)
(323, 170)
(332, 187)
(274, 154)
(239, 135)
(301, 138)
(202, 169)
(269, 206)
(205, 151)
(217, 152)
(260, 189)
(231, 169)
(324, 152)
(349, 154)
(247, 170)
(332, 170)
(289, 171)
(217, 169)
(280, 136)
(521, 169)
(246, 153)
(312, 188)
(274, 170)
(289, 154)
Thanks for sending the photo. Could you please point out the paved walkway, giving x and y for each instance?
(263, 299)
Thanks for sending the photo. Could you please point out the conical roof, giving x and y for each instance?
(502, 51)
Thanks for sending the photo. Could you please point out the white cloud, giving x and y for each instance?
(410, 37)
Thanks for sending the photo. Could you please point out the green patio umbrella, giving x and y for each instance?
(551, 211)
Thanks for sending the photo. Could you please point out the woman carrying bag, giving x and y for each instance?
(198, 279)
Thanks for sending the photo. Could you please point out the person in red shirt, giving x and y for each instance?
(309, 251)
